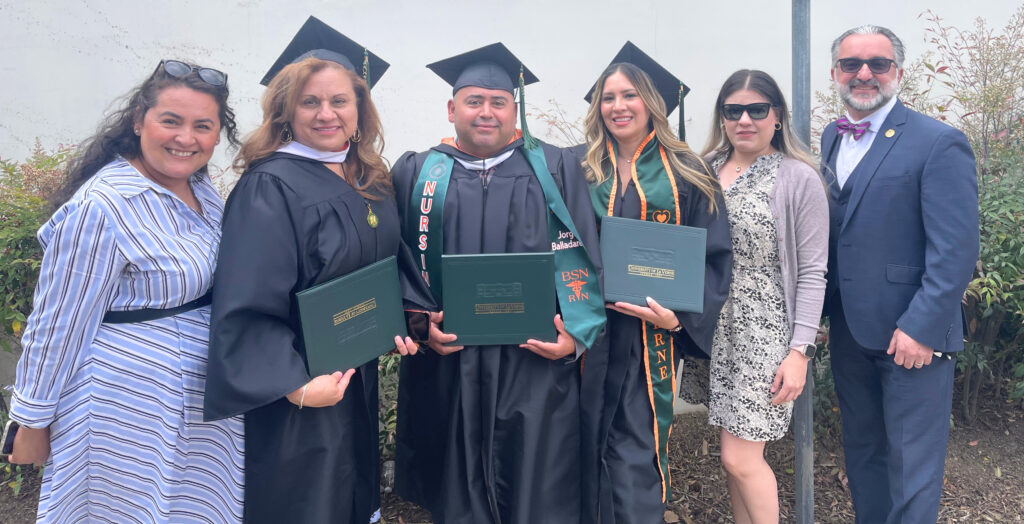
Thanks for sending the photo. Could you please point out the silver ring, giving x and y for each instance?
(918, 364)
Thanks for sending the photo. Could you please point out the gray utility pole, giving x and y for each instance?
(803, 414)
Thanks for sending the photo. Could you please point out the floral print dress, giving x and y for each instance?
(752, 337)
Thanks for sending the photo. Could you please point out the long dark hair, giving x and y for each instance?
(116, 135)
(784, 140)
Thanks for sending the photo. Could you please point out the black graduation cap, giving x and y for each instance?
(671, 89)
(319, 40)
(490, 67)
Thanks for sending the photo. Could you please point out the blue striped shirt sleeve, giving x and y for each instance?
(76, 282)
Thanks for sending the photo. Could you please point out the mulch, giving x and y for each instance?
(984, 477)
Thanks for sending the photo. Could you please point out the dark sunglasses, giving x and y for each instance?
(181, 70)
(877, 65)
(757, 111)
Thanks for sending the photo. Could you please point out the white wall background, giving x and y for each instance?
(63, 62)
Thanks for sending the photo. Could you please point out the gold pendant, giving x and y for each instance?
(371, 218)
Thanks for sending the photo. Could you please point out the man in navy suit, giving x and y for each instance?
(903, 244)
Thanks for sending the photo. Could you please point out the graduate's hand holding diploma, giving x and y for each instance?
(653, 313)
(322, 391)
(438, 338)
(561, 348)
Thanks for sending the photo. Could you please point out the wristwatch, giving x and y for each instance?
(677, 329)
(807, 349)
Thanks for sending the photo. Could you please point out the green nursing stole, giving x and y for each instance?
(579, 295)
(659, 201)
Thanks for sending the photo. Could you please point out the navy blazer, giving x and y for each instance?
(904, 235)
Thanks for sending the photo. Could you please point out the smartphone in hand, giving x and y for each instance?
(7, 441)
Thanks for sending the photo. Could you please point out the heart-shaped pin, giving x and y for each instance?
(661, 216)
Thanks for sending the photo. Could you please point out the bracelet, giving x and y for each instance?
(303, 397)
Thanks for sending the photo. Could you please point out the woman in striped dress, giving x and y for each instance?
(109, 388)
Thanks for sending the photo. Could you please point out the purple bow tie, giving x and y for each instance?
(843, 125)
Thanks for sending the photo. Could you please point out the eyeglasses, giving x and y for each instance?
(877, 65)
(181, 70)
(757, 111)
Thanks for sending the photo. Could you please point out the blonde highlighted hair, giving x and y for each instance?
(364, 168)
(597, 165)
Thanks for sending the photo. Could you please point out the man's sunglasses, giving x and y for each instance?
(757, 111)
(877, 65)
(181, 70)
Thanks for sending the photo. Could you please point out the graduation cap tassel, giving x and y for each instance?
(528, 140)
(682, 114)
(366, 67)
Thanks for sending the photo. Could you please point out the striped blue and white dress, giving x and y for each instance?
(124, 402)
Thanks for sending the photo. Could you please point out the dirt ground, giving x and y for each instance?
(984, 477)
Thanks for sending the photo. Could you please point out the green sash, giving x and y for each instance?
(579, 295)
(426, 219)
(659, 201)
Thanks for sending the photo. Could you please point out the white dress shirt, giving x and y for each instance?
(852, 151)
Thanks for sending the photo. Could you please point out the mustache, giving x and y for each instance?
(871, 82)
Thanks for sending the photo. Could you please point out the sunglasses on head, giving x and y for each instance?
(181, 70)
(877, 65)
(757, 111)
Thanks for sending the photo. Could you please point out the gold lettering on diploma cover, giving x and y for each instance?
(651, 272)
(500, 308)
(355, 311)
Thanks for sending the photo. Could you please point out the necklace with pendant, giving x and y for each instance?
(371, 218)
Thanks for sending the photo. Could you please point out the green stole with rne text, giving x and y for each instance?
(579, 294)
(659, 201)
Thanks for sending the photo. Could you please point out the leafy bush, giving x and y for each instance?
(24, 189)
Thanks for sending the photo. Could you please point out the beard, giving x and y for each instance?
(885, 93)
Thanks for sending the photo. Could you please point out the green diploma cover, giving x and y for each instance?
(644, 258)
(352, 319)
(497, 299)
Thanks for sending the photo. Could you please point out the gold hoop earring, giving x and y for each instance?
(357, 136)
(778, 126)
(286, 133)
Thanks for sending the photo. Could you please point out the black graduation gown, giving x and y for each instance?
(291, 223)
(630, 484)
(490, 434)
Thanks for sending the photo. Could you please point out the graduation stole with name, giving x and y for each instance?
(579, 297)
(659, 201)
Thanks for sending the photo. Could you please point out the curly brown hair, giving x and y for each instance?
(365, 168)
(116, 135)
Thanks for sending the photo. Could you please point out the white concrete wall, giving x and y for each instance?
(62, 62)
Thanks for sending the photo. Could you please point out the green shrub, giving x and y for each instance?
(24, 190)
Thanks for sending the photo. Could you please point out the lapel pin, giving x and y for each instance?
(889, 133)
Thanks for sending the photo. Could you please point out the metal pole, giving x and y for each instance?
(803, 414)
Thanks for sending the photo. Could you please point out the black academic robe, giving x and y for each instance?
(291, 223)
(630, 484)
(490, 434)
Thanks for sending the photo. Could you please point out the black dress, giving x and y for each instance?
(490, 434)
(630, 483)
(289, 224)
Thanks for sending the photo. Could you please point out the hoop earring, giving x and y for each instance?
(356, 137)
(286, 133)
(778, 126)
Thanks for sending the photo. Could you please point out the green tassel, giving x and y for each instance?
(366, 67)
(682, 115)
(529, 142)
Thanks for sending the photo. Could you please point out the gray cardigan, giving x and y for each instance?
(800, 206)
